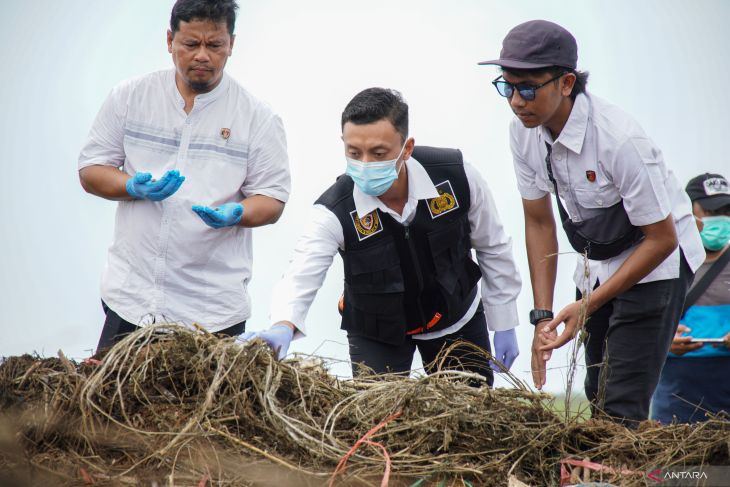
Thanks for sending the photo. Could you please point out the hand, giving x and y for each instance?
(278, 337)
(568, 315)
(142, 187)
(225, 215)
(539, 359)
(725, 342)
(683, 344)
(506, 349)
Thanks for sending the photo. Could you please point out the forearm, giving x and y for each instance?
(314, 251)
(659, 242)
(542, 249)
(107, 182)
(260, 210)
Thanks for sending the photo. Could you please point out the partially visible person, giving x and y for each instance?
(694, 380)
(194, 161)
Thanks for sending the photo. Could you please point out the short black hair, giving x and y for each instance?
(581, 77)
(215, 10)
(374, 104)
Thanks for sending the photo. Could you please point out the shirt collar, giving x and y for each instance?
(420, 187)
(574, 132)
(203, 98)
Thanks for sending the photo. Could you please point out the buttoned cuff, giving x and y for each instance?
(501, 317)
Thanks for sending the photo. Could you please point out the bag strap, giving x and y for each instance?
(561, 209)
(701, 286)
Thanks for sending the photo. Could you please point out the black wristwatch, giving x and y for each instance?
(537, 315)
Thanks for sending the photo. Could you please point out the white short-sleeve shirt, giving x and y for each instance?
(601, 156)
(164, 262)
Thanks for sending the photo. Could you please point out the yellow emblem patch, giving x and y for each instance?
(368, 225)
(445, 202)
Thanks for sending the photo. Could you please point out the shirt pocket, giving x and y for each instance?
(450, 251)
(597, 197)
(376, 270)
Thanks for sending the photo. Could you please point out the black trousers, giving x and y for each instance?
(116, 328)
(384, 358)
(627, 344)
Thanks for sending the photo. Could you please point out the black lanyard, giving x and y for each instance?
(563, 214)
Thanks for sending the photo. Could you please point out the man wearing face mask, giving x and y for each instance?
(405, 219)
(694, 378)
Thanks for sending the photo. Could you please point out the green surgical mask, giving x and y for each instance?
(716, 232)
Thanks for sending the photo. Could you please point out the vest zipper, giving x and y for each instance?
(416, 267)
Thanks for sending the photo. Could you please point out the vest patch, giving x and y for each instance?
(445, 202)
(366, 226)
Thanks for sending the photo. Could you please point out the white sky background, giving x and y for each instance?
(665, 62)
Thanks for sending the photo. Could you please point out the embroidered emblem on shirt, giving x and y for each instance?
(225, 133)
(715, 186)
(366, 226)
(591, 176)
(444, 202)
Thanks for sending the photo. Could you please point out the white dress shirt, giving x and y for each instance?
(601, 156)
(314, 252)
(165, 263)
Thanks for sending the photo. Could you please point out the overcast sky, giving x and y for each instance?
(665, 62)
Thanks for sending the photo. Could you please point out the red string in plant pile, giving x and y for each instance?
(587, 464)
(365, 440)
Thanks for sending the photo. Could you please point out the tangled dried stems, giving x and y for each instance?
(186, 407)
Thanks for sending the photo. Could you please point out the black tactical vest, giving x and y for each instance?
(406, 280)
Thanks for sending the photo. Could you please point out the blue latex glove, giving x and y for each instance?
(221, 216)
(278, 337)
(143, 187)
(506, 349)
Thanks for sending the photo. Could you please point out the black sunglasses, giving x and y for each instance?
(507, 89)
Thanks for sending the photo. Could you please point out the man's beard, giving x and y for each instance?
(199, 86)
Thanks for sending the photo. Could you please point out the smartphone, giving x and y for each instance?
(706, 340)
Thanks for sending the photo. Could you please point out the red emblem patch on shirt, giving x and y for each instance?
(591, 176)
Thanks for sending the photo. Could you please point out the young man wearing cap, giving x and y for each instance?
(694, 379)
(622, 207)
(405, 219)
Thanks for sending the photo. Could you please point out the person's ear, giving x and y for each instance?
(567, 82)
(408, 149)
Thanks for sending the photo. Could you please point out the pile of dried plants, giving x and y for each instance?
(169, 406)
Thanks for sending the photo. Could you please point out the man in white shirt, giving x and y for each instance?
(195, 161)
(405, 220)
(622, 207)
